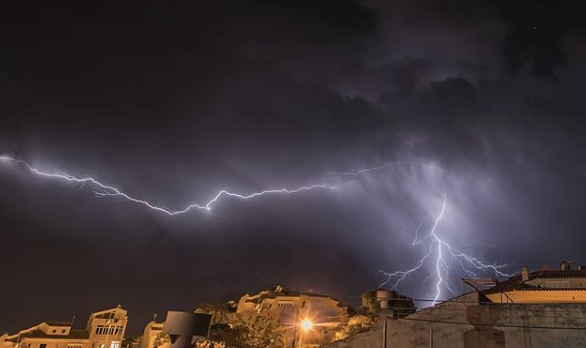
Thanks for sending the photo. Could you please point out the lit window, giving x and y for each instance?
(115, 344)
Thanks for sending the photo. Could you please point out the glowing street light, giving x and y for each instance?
(306, 324)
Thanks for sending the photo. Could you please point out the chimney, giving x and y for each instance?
(524, 274)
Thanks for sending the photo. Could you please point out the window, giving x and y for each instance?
(118, 330)
(74, 346)
(54, 330)
(109, 330)
(115, 344)
(63, 331)
(285, 304)
(43, 345)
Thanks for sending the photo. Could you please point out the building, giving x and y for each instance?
(151, 331)
(105, 329)
(545, 286)
(47, 335)
(178, 330)
(473, 321)
(309, 319)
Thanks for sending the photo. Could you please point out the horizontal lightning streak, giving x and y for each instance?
(385, 165)
(103, 190)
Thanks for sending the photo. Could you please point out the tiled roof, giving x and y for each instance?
(574, 273)
(514, 283)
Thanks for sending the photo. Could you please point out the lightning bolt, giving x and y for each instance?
(104, 190)
(437, 245)
(443, 250)
(386, 165)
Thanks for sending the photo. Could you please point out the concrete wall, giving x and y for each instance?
(465, 323)
(369, 339)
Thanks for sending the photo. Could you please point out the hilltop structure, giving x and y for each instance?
(289, 307)
(308, 319)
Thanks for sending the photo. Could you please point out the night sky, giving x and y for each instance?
(481, 101)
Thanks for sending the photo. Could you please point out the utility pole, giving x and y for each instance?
(430, 338)
(385, 333)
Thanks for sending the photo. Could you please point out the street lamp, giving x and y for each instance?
(306, 324)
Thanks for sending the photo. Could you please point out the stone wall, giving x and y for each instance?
(369, 339)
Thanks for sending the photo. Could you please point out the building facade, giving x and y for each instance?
(105, 329)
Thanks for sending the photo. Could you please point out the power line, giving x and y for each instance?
(495, 311)
(501, 315)
(496, 325)
(486, 302)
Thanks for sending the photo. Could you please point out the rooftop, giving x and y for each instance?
(515, 283)
(73, 334)
(279, 291)
(58, 323)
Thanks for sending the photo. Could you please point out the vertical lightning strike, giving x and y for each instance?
(443, 250)
(440, 260)
(103, 190)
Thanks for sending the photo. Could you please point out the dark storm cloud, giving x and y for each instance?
(172, 102)
(537, 28)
